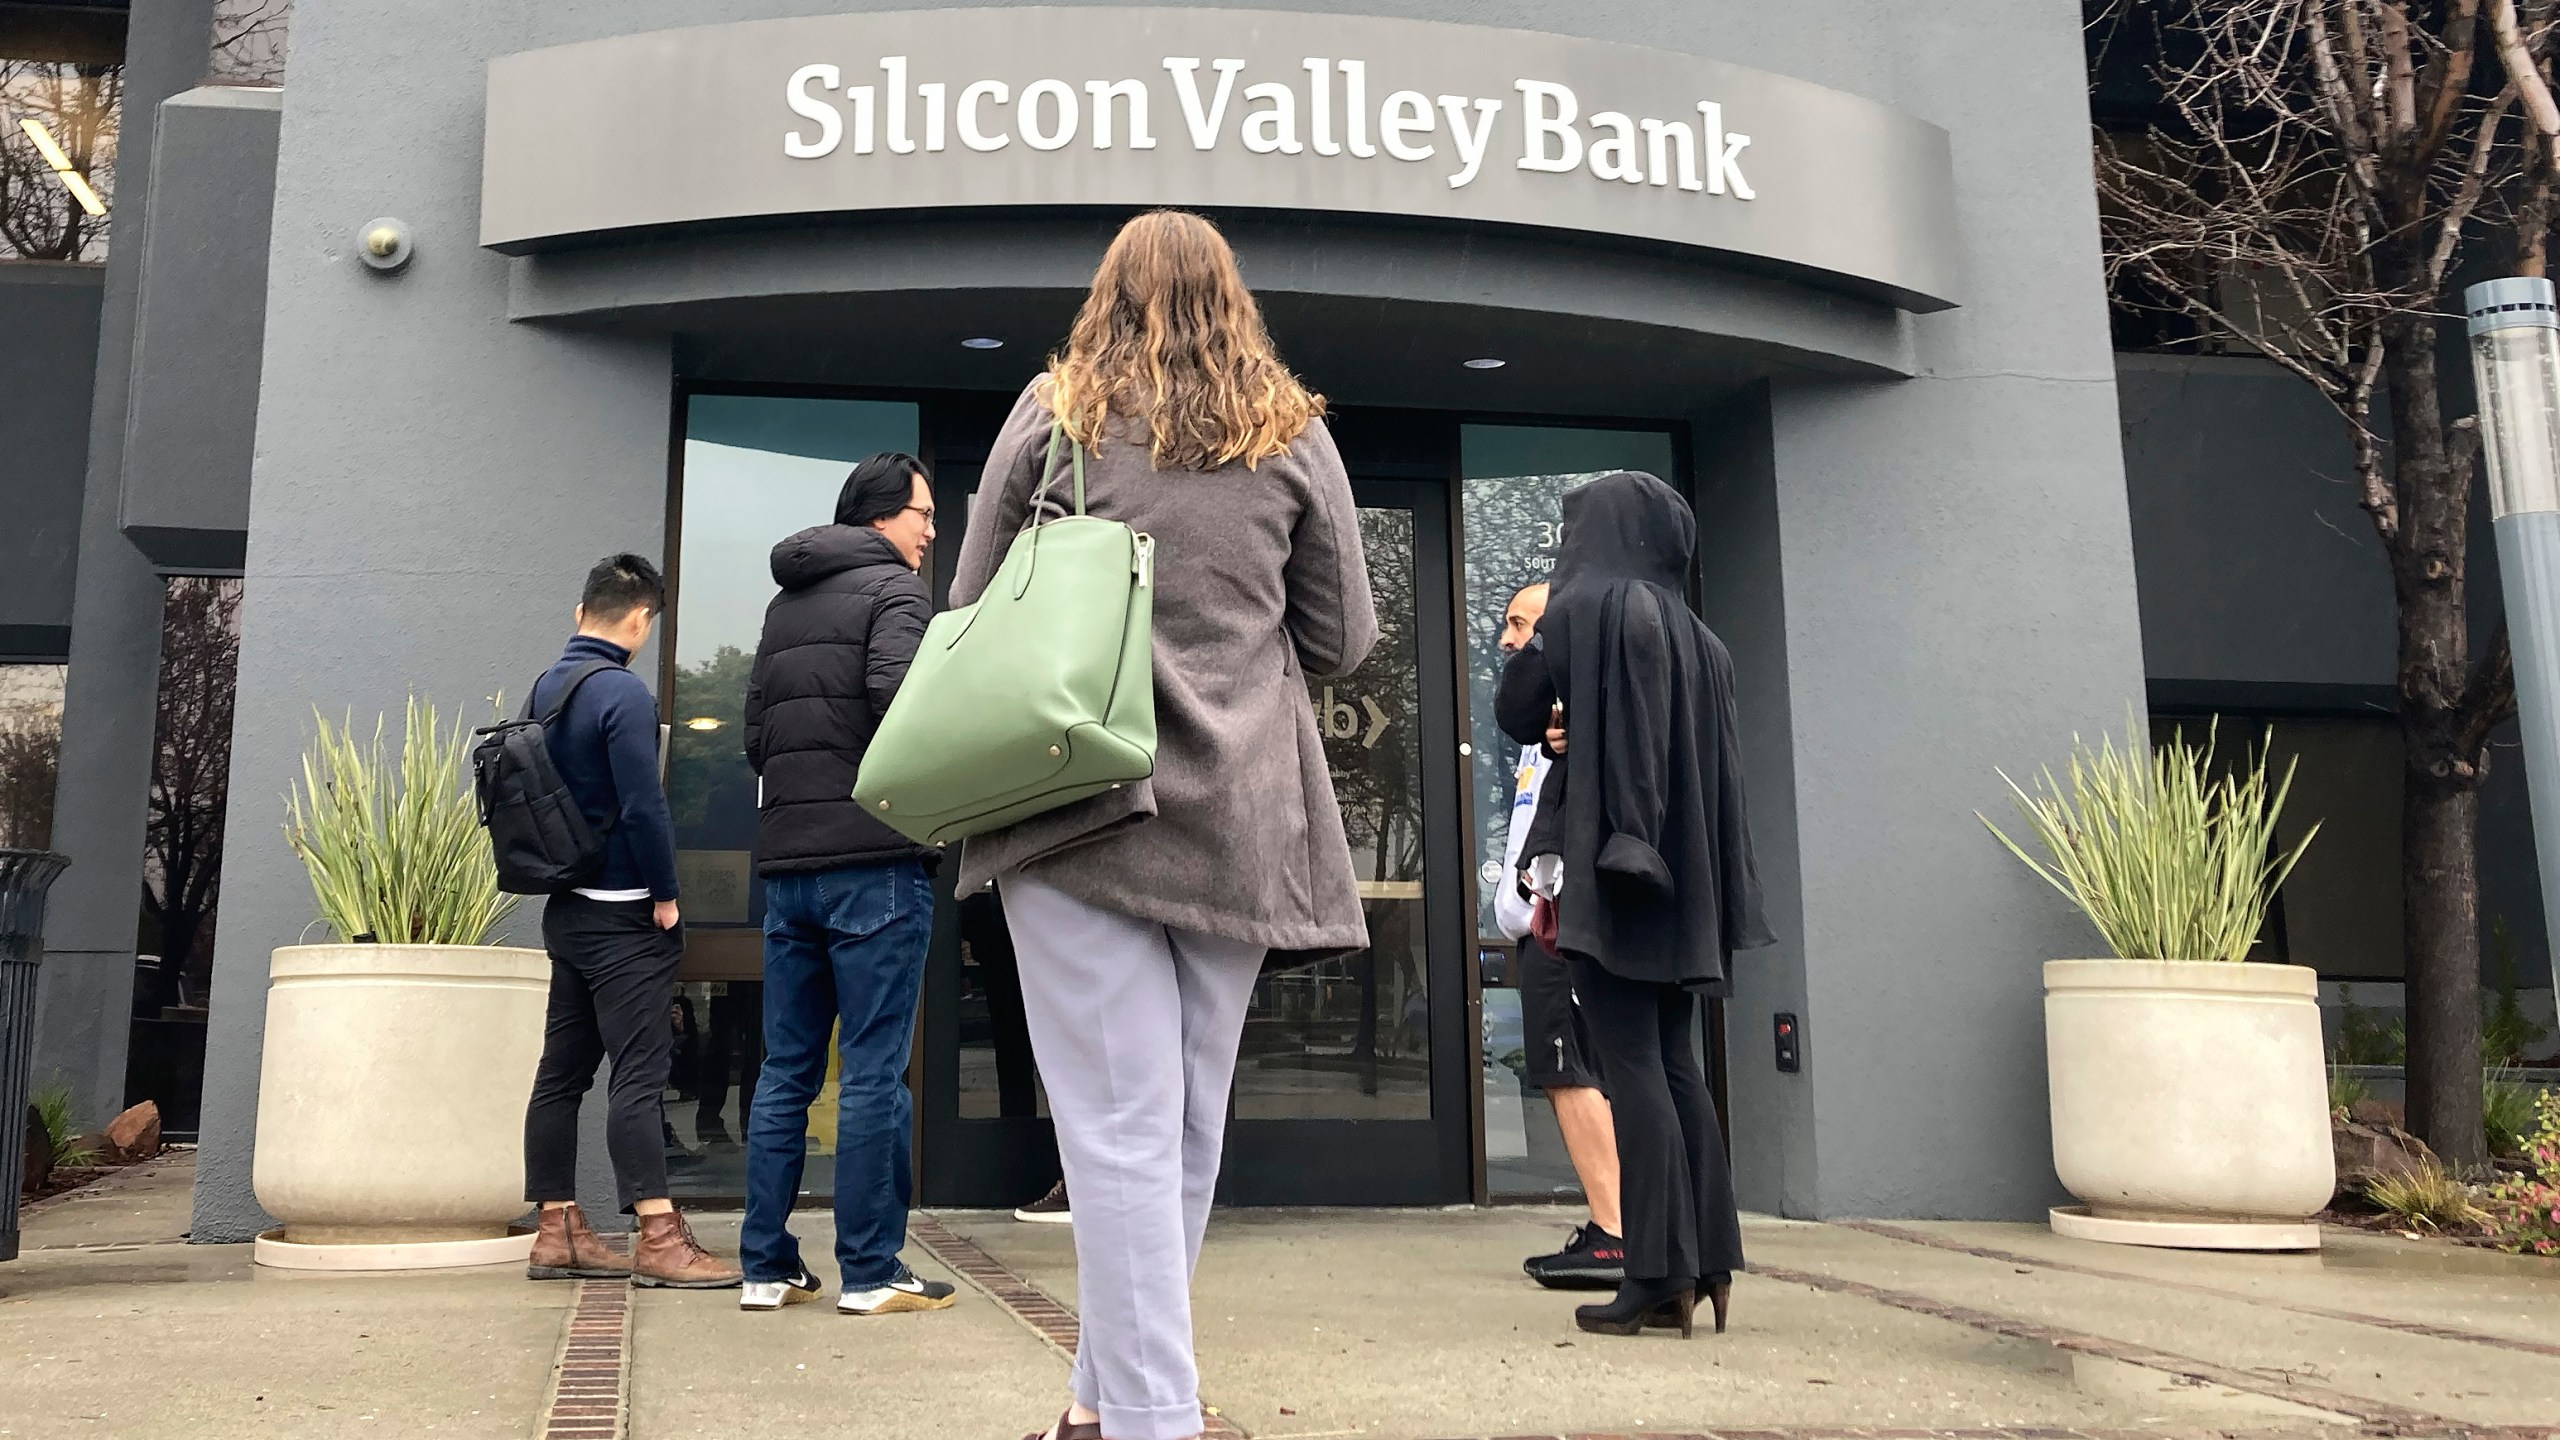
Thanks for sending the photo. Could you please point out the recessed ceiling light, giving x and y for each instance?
(702, 722)
(982, 342)
(1485, 362)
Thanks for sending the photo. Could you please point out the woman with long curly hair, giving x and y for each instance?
(1141, 917)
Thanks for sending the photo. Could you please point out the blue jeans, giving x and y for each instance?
(843, 946)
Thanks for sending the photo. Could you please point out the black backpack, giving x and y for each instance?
(537, 834)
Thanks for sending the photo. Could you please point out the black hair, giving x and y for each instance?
(621, 583)
(878, 488)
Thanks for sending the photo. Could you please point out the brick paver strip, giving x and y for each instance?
(2372, 1412)
(2321, 1312)
(1045, 1317)
(590, 1395)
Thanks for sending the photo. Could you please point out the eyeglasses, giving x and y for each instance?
(924, 510)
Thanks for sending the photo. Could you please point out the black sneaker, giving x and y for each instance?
(900, 1292)
(1592, 1259)
(1049, 1209)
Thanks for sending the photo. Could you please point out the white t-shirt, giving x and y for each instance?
(1510, 907)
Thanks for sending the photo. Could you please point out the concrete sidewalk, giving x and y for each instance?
(1401, 1324)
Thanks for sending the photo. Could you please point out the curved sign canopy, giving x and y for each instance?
(1007, 107)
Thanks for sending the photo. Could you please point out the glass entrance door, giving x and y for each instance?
(1352, 1084)
(1350, 1088)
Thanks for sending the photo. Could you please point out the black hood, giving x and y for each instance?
(1626, 526)
(823, 550)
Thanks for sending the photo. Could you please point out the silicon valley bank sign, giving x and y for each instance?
(1042, 106)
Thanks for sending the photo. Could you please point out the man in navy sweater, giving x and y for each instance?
(615, 941)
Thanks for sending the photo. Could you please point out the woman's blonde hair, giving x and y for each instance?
(1170, 338)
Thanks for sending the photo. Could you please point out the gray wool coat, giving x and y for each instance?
(1260, 582)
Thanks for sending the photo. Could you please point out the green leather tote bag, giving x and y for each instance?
(1041, 694)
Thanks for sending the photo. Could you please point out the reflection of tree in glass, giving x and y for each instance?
(190, 780)
(30, 762)
(76, 104)
(1513, 524)
(706, 767)
(1379, 790)
(1378, 787)
(248, 41)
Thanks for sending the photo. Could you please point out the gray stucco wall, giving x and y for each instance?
(1742, 593)
(1959, 595)
(47, 367)
(85, 994)
(192, 420)
(1957, 585)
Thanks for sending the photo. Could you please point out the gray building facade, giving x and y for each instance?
(1889, 390)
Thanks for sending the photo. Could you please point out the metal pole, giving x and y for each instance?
(2515, 358)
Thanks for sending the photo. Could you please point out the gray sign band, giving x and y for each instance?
(1041, 106)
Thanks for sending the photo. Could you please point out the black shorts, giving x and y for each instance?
(1558, 1047)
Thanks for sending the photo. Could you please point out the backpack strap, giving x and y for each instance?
(576, 678)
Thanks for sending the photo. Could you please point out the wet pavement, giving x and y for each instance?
(1339, 1323)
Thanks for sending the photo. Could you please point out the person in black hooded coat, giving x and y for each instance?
(1643, 844)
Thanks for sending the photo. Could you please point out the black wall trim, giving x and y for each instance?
(35, 644)
(174, 548)
(2268, 697)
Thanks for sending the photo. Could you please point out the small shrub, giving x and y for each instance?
(2346, 1092)
(2524, 1210)
(2426, 1197)
(2364, 1040)
(2507, 1107)
(53, 1107)
(2506, 1033)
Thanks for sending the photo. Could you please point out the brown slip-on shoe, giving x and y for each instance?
(668, 1257)
(565, 1249)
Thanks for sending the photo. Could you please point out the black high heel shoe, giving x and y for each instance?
(1640, 1303)
(1718, 1289)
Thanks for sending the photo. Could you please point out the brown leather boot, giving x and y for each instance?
(668, 1256)
(565, 1249)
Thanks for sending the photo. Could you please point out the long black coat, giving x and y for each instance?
(1645, 806)
(837, 644)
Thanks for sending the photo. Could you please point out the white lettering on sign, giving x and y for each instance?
(1306, 114)
(1337, 720)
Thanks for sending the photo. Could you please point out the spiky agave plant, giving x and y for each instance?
(393, 843)
(2167, 859)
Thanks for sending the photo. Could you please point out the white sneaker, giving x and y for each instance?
(903, 1292)
(774, 1294)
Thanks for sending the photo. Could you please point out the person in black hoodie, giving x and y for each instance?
(1642, 853)
(848, 901)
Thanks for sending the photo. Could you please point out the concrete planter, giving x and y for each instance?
(391, 1104)
(2190, 1103)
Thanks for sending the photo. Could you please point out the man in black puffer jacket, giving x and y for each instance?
(848, 901)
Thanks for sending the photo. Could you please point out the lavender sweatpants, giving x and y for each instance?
(1135, 1026)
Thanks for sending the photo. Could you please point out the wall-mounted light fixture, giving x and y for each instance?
(982, 342)
(72, 179)
(384, 243)
(703, 722)
(1484, 362)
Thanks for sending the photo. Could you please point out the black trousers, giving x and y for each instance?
(613, 975)
(990, 942)
(1675, 1190)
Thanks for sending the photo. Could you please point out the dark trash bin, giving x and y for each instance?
(25, 875)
